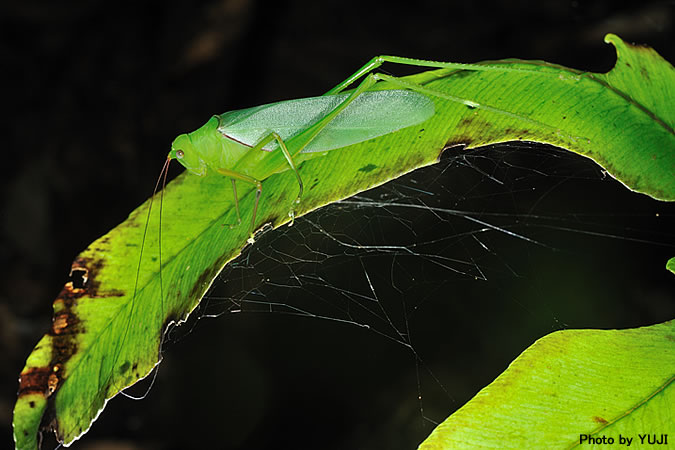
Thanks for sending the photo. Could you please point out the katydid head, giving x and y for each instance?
(184, 151)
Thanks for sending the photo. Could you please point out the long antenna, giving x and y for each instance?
(162, 177)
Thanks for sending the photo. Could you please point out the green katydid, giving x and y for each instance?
(250, 145)
(231, 143)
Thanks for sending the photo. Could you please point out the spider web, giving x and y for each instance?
(441, 224)
(450, 271)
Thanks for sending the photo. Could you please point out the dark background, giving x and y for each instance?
(95, 91)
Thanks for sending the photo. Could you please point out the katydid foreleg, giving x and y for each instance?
(258, 185)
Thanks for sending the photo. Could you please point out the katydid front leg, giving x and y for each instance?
(233, 175)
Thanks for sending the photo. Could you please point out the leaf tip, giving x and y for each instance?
(616, 41)
(611, 38)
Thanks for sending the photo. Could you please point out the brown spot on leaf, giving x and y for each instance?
(64, 322)
(519, 134)
(34, 381)
(638, 47)
(124, 367)
(66, 325)
(368, 168)
(52, 383)
(49, 422)
(64, 332)
(204, 279)
(645, 73)
(78, 276)
(170, 319)
(89, 269)
(475, 121)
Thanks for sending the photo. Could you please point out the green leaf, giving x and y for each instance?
(109, 320)
(648, 84)
(572, 385)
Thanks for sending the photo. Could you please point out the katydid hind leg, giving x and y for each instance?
(377, 61)
(373, 64)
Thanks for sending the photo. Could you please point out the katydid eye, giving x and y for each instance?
(179, 154)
